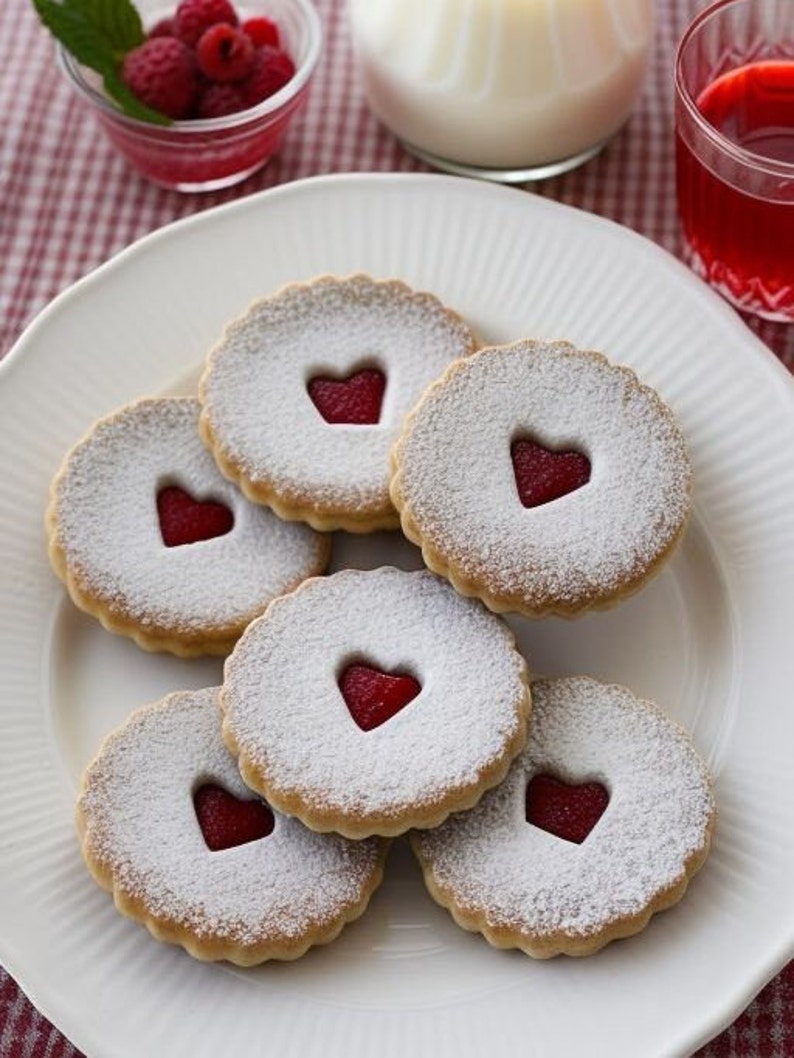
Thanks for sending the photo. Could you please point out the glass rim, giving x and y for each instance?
(183, 127)
(751, 159)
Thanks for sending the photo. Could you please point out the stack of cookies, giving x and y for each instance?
(251, 821)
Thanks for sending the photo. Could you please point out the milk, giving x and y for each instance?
(502, 83)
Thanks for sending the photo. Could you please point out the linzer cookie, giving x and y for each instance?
(542, 479)
(306, 393)
(369, 702)
(167, 825)
(602, 821)
(150, 537)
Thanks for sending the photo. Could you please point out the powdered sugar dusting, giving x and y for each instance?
(658, 816)
(254, 390)
(283, 706)
(142, 826)
(459, 486)
(108, 527)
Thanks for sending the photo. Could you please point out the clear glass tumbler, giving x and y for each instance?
(734, 80)
(509, 90)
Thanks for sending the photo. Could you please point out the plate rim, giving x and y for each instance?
(665, 257)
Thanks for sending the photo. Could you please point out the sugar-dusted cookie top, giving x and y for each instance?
(374, 701)
(542, 478)
(306, 392)
(601, 821)
(152, 539)
(167, 824)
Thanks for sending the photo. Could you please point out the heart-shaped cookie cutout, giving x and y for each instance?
(184, 520)
(227, 821)
(355, 400)
(543, 475)
(374, 696)
(569, 811)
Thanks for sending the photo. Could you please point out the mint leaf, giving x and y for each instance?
(77, 34)
(129, 102)
(99, 33)
(117, 20)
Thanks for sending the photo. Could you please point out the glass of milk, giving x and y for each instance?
(513, 90)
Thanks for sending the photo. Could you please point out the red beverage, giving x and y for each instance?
(737, 208)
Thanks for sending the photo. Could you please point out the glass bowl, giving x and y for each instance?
(208, 154)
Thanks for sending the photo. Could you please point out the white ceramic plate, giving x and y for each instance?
(710, 640)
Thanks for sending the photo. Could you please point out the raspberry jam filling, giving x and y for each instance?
(543, 475)
(569, 811)
(226, 821)
(373, 696)
(355, 400)
(184, 520)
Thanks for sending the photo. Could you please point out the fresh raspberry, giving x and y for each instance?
(193, 17)
(262, 31)
(272, 69)
(162, 73)
(164, 28)
(225, 54)
(218, 100)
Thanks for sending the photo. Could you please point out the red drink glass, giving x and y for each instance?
(734, 123)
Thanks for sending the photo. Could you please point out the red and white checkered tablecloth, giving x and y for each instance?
(68, 202)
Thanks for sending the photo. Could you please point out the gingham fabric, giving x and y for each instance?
(68, 202)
